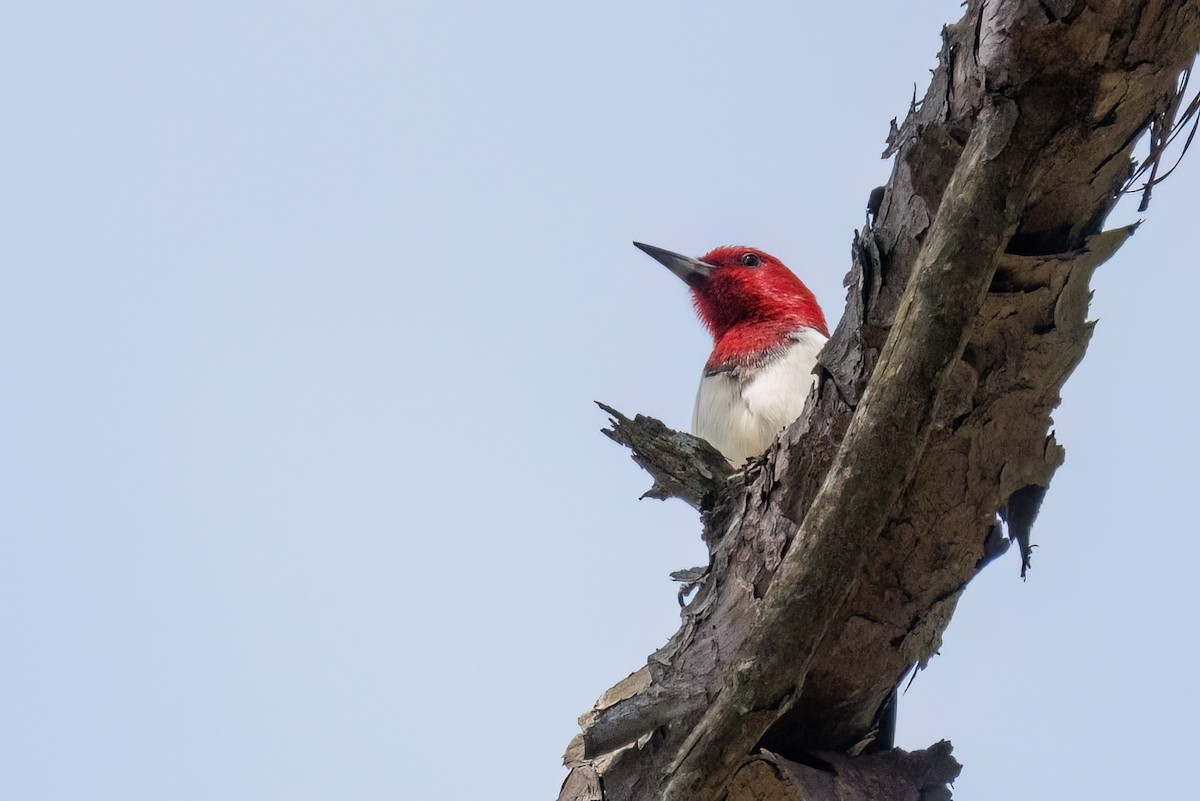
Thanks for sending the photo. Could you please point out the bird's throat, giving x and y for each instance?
(750, 345)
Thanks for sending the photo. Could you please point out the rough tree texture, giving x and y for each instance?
(838, 559)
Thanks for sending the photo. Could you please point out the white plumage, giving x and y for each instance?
(741, 410)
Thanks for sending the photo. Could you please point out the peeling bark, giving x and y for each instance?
(683, 466)
(836, 560)
(896, 776)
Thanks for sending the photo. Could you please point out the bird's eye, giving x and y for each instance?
(750, 260)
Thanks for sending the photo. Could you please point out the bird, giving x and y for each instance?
(767, 330)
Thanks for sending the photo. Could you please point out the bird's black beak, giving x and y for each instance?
(690, 270)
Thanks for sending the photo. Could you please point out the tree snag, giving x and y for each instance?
(837, 559)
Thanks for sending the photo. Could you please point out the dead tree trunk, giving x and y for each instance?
(837, 559)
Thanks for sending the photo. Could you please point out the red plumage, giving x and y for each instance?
(750, 303)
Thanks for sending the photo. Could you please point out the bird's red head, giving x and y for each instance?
(747, 299)
(749, 288)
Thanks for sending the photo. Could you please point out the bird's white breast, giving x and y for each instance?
(741, 410)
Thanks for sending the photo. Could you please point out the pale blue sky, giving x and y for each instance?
(303, 310)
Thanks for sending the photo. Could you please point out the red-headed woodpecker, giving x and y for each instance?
(767, 330)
